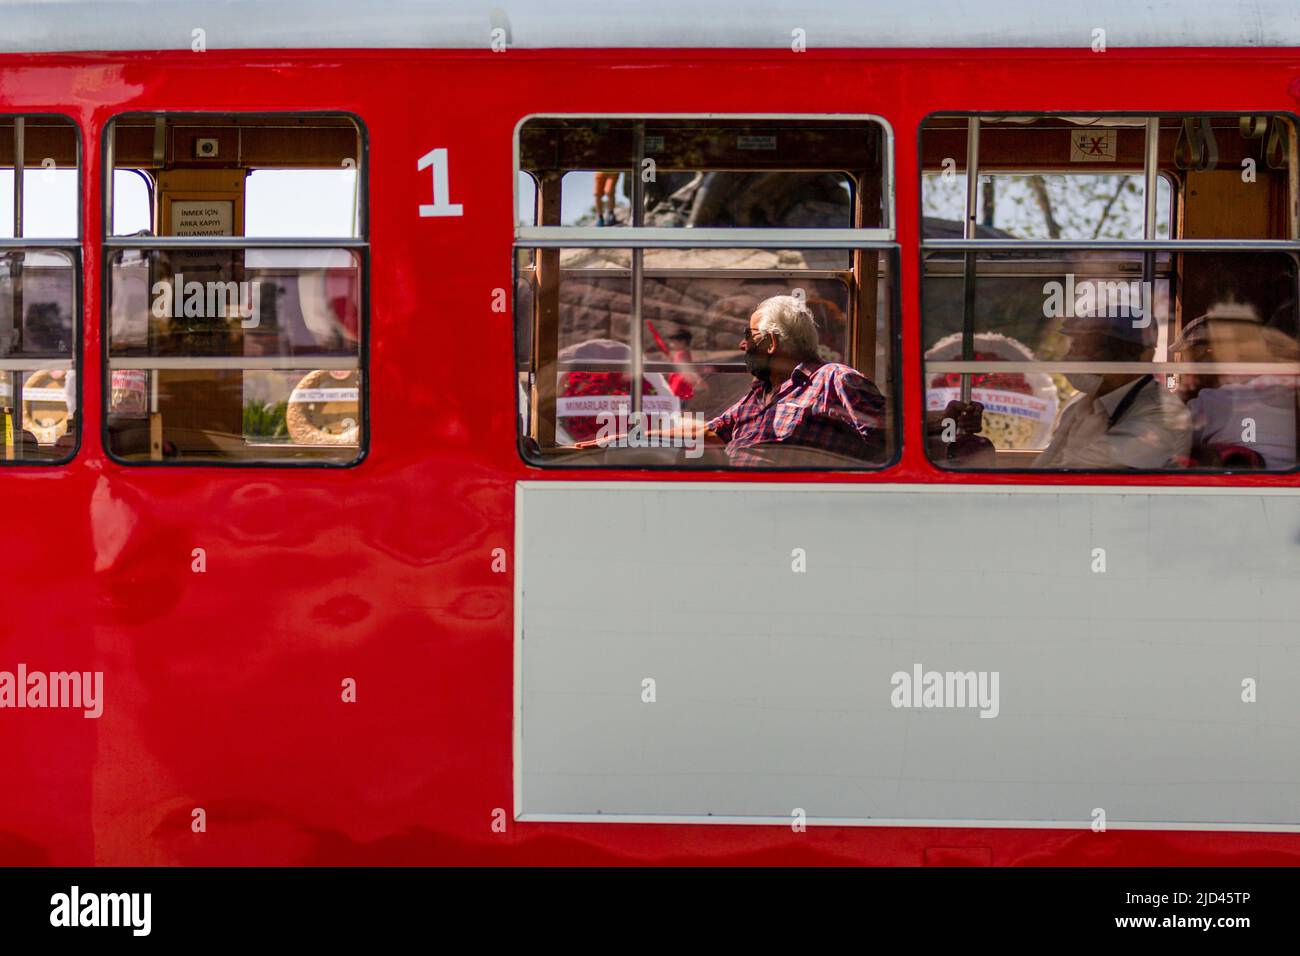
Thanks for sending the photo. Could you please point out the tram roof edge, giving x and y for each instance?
(33, 26)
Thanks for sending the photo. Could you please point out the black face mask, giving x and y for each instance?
(759, 365)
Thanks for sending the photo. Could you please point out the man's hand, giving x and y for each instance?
(956, 432)
(967, 417)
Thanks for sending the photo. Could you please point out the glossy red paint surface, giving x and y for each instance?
(222, 690)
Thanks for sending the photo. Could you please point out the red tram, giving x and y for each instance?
(314, 552)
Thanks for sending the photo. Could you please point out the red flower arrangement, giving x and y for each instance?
(585, 427)
(1002, 381)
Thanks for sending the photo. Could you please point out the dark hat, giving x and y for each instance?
(1132, 329)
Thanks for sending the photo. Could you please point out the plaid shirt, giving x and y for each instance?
(826, 406)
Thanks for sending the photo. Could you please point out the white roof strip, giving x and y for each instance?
(108, 25)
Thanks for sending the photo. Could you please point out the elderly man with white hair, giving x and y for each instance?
(825, 412)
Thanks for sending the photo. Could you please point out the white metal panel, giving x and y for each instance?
(1119, 690)
(61, 25)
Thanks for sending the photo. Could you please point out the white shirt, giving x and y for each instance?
(1266, 404)
(1155, 429)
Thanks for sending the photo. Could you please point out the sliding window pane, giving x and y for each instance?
(1106, 360)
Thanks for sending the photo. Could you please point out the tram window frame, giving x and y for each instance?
(884, 245)
(359, 244)
(1171, 245)
(73, 246)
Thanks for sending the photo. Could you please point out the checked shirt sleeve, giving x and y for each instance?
(725, 422)
(863, 407)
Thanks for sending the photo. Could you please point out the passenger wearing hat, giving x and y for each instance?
(1122, 419)
(1235, 417)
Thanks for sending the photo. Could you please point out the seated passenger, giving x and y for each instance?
(1121, 420)
(797, 401)
(1233, 415)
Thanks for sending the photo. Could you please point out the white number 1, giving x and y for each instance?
(437, 158)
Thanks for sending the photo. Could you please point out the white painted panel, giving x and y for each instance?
(1119, 690)
(55, 25)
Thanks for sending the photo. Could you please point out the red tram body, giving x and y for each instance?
(222, 688)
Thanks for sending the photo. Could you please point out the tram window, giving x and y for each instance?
(708, 172)
(1167, 357)
(248, 354)
(694, 371)
(653, 350)
(38, 289)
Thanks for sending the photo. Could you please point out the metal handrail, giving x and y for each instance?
(651, 237)
(1117, 368)
(237, 362)
(230, 242)
(1111, 245)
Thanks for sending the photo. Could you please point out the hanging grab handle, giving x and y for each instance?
(1196, 147)
(1253, 127)
(1275, 149)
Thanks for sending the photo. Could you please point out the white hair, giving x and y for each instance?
(789, 317)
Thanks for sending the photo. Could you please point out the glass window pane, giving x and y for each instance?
(711, 200)
(1045, 206)
(1104, 360)
(132, 203)
(526, 193)
(49, 203)
(826, 354)
(50, 180)
(710, 173)
(301, 203)
(237, 329)
(38, 394)
(266, 416)
(261, 176)
(254, 302)
(39, 314)
(1219, 176)
(37, 303)
(248, 355)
